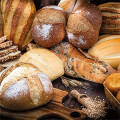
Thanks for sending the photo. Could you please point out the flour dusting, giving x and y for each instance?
(20, 88)
(43, 31)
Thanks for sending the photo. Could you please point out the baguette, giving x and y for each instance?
(78, 65)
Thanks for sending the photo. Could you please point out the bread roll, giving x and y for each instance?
(112, 82)
(48, 27)
(118, 96)
(84, 24)
(18, 16)
(23, 87)
(76, 64)
(46, 61)
(107, 49)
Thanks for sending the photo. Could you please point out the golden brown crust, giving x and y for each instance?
(112, 82)
(78, 65)
(16, 17)
(29, 89)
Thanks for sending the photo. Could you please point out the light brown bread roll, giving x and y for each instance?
(118, 96)
(84, 24)
(46, 61)
(48, 27)
(24, 87)
(18, 16)
(107, 49)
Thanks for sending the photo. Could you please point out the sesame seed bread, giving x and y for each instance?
(24, 87)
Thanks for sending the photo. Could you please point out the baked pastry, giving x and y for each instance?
(107, 49)
(118, 68)
(112, 82)
(81, 65)
(67, 5)
(1, 23)
(46, 61)
(118, 96)
(48, 27)
(24, 87)
(8, 51)
(18, 17)
(84, 24)
(111, 17)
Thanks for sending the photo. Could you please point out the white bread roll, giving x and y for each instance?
(23, 87)
(46, 61)
(107, 49)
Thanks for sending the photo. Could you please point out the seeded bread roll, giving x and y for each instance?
(24, 87)
(48, 27)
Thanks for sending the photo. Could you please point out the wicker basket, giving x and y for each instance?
(111, 98)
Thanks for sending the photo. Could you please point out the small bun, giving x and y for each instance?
(48, 27)
(118, 96)
(112, 82)
(24, 87)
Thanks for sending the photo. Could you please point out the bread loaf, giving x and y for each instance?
(76, 64)
(112, 82)
(48, 27)
(107, 49)
(23, 87)
(84, 24)
(46, 61)
(118, 96)
(18, 16)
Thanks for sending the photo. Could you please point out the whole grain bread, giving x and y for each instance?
(76, 64)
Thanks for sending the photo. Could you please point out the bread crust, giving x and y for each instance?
(78, 65)
(24, 92)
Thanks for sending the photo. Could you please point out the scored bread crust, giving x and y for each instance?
(28, 89)
(78, 65)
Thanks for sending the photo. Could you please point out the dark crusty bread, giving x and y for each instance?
(48, 27)
(84, 24)
(10, 56)
(78, 65)
(111, 7)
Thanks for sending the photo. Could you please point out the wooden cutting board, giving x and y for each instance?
(53, 108)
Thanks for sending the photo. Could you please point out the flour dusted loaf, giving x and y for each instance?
(18, 16)
(24, 87)
(46, 61)
(48, 27)
(84, 24)
(77, 64)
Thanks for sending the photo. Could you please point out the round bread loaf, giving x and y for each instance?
(118, 96)
(84, 24)
(112, 82)
(48, 27)
(24, 87)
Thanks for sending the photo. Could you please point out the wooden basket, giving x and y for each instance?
(111, 98)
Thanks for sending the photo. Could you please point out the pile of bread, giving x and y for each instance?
(60, 32)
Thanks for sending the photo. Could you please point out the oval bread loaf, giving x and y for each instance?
(18, 16)
(46, 61)
(23, 87)
(107, 49)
